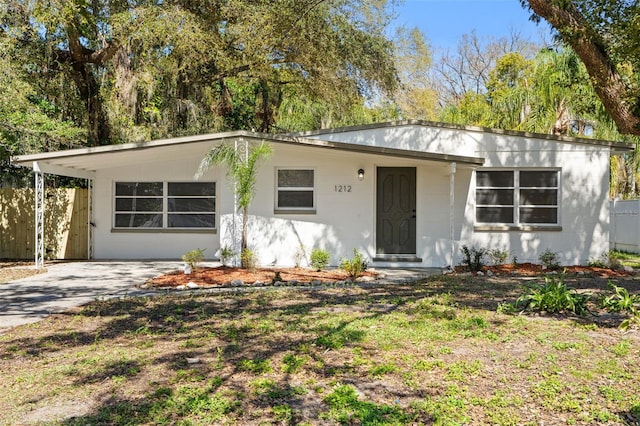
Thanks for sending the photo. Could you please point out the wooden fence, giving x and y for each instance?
(65, 221)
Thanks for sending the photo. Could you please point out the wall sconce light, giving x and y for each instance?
(360, 174)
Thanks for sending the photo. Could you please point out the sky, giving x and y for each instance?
(443, 22)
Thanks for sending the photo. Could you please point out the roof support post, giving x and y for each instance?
(39, 216)
(452, 191)
(90, 220)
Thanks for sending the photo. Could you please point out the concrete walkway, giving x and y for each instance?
(67, 285)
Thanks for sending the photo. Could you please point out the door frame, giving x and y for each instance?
(406, 257)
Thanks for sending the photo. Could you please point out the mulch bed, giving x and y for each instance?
(223, 276)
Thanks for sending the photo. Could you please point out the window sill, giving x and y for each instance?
(517, 228)
(294, 211)
(163, 231)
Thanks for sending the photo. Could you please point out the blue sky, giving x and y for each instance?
(443, 22)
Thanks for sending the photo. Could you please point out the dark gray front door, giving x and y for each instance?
(396, 210)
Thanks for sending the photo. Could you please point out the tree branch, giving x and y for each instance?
(590, 47)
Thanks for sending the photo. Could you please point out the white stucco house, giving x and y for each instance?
(408, 193)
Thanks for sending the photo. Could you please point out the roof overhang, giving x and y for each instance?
(85, 162)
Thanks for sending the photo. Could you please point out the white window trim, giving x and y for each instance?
(295, 210)
(165, 208)
(517, 226)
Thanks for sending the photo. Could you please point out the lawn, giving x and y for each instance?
(436, 352)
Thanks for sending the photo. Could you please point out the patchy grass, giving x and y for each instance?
(436, 352)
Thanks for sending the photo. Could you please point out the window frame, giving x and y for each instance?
(166, 212)
(517, 224)
(293, 209)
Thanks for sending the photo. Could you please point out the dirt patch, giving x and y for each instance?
(224, 276)
(11, 270)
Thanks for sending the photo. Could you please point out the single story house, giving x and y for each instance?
(408, 193)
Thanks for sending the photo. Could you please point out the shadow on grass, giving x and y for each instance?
(230, 337)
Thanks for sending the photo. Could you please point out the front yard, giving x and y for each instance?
(432, 352)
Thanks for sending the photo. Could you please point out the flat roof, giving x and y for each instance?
(615, 145)
(83, 162)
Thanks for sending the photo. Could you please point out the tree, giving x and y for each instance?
(415, 95)
(29, 121)
(466, 70)
(241, 172)
(149, 68)
(606, 36)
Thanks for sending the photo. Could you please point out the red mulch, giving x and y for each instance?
(223, 275)
(532, 269)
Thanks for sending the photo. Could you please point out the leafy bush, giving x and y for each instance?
(553, 297)
(319, 259)
(473, 257)
(498, 256)
(226, 254)
(608, 259)
(193, 258)
(355, 266)
(248, 259)
(622, 301)
(549, 259)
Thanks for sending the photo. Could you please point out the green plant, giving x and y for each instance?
(498, 256)
(248, 259)
(473, 257)
(553, 296)
(354, 266)
(622, 301)
(255, 366)
(277, 277)
(193, 258)
(226, 254)
(292, 363)
(241, 172)
(549, 259)
(319, 259)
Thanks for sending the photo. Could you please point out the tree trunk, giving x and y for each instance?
(243, 242)
(591, 48)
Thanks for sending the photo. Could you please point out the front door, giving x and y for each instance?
(396, 210)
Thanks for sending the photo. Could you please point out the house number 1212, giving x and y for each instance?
(343, 188)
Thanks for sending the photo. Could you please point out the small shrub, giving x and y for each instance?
(248, 259)
(473, 257)
(498, 256)
(355, 266)
(320, 259)
(549, 259)
(226, 254)
(277, 277)
(193, 258)
(553, 297)
(622, 301)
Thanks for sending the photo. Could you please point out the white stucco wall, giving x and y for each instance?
(346, 220)
(584, 207)
(110, 244)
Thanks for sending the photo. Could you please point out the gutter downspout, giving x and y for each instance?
(452, 181)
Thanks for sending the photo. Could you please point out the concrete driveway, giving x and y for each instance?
(67, 285)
